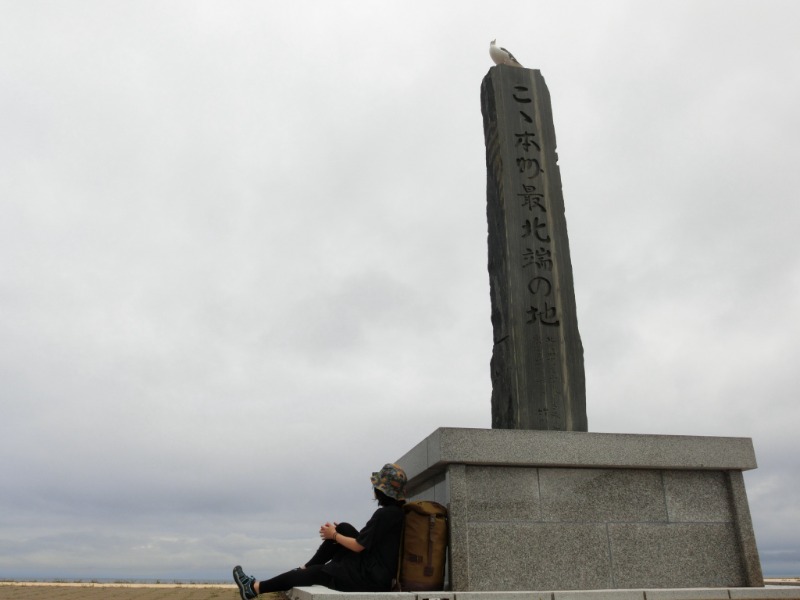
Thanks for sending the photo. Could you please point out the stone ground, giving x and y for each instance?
(90, 591)
(99, 591)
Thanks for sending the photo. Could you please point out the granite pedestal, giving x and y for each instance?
(553, 510)
(317, 592)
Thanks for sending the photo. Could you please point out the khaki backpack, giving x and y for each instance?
(423, 547)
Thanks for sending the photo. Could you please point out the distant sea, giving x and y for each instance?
(164, 580)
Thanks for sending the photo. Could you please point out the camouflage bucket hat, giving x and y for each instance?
(391, 480)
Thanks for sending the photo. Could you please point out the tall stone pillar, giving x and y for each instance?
(537, 371)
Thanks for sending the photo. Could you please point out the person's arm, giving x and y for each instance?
(328, 532)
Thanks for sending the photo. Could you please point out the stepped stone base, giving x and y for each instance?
(553, 510)
(323, 593)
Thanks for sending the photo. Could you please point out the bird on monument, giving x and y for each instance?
(501, 56)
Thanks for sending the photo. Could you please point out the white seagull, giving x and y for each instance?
(501, 56)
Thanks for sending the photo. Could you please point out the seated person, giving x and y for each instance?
(349, 560)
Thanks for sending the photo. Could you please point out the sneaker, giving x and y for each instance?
(246, 583)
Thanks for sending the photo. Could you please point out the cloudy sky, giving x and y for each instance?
(244, 257)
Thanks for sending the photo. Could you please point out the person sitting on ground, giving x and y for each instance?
(349, 560)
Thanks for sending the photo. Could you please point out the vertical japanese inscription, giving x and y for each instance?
(537, 359)
(529, 160)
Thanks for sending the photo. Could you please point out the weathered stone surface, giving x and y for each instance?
(600, 595)
(764, 594)
(538, 379)
(675, 555)
(536, 556)
(601, 495)
(502, 494)
(688, 594)
(436, 595)
(697, 496)
(458, 521)
(751, 563)
(318, 592)
(504, 595)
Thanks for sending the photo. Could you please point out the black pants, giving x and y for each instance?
(312, 574)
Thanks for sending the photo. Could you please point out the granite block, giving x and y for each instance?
(600, 595)
(459, 559)
(764, 594)
(538, 556)
(675, 555)
(744, 530)
(436, 595)
(422, 493)
(504, 447)
(697, 496)
(688, 594)
(502, 494)
(598, 521)
(417, 461)
(504, 596)
(441, 490)
(318, 592)
(434, 489)
(601, 495)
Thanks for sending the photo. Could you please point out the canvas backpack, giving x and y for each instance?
(423, 547)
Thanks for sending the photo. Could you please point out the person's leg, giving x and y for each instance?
(313, 575)
(329, 549)
(249, 588)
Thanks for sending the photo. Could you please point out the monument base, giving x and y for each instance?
(553, 510)
(318, 592)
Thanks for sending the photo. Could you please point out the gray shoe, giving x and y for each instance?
(246, 583)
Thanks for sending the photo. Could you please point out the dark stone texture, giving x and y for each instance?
(537, 370)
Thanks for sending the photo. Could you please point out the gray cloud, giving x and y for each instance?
(237, 239)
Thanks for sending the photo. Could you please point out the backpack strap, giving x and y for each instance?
(431, 527)
(396, 587)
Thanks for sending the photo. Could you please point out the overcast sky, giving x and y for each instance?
(244, 257)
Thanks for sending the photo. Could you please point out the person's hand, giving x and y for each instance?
(327, 531)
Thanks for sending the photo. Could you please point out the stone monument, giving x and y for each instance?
(538, 503)
(537, 360)
(538, 506)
